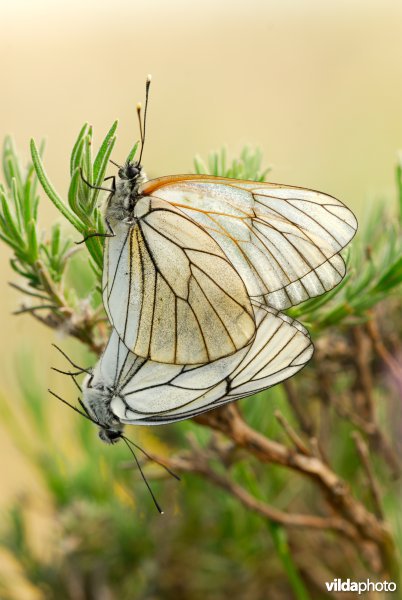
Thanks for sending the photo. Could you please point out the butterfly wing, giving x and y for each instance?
(283, 241)
(170, 292)
(151, 393)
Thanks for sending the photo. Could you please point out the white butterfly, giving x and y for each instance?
(190, 251)
(124, 388)
(190, 254)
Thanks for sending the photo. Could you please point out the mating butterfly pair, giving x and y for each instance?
(196, 272)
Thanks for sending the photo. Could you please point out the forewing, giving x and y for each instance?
(283, 241)
(172, 295)
(149, 393)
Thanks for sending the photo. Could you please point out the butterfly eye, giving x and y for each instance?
(109, 436)
(130, 171)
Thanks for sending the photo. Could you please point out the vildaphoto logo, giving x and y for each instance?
(346, 585)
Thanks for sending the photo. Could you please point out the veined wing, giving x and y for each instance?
(170, 291)
(150, 393)
(283, 241)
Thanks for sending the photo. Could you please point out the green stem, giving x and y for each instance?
(279, 537)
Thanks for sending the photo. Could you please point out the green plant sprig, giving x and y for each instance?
(247, 166)
(19, 227)
(81, 208)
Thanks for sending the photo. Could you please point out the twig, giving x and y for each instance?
(293, 436)
(302, 416)
(48, 284)
(365, 381)
(81, 329)
(196, 462)
(365, 459)
(31, 309)
(28, 292)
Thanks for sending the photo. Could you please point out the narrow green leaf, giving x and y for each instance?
(101, 174)
(103, 151)
(55, 239)
(97, 270)
(88, 157)
(74, 162)
(28, 201)
(73, 198)
(279, 537)
(223, 161)
(391, 278)
(3, 222)
(50, 191)
(17, 205)
(7, 170)
(132, 152)
(11, 226)
(80, 160)
(215, 164)
(14, 163)
(31, 186)
(314, 304)
(9, 241)
(334, 316)
(96, 251)
(359, 287)
(199, 166)
(33, 249)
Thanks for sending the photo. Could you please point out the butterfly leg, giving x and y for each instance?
(110, 233)
(96, 187)
(113, 177)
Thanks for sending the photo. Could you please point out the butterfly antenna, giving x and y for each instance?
(147, 86)
(82, 370)
(76, 383)
(142, 475)
(72, 375)
(152, 458)
(115, 163)
(139, 107)
(77, 410)
(84, 408)
(67, 372)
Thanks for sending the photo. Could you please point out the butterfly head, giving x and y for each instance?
(109, 435)
(96, 401)
(131, 171)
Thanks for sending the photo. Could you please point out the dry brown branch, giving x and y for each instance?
(196, 462)
(228, 420)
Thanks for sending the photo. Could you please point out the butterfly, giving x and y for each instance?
(124, 388)
(189, 256)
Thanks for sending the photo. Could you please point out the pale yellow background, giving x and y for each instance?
(316, 84)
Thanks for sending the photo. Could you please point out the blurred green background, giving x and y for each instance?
(317, 86)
